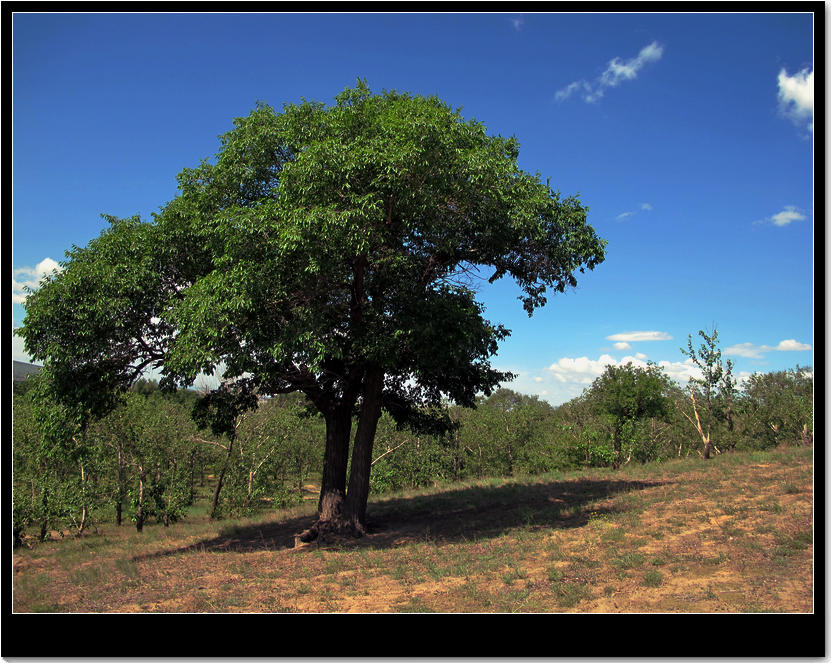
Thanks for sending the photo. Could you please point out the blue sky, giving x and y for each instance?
(688, 136)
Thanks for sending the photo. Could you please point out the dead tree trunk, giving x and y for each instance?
(705, 435)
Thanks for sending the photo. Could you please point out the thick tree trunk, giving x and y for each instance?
(333, 482)
(358, 490)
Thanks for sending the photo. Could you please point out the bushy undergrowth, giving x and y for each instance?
(145, 461)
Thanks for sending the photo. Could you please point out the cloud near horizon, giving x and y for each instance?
(615, 73)
(583, 371)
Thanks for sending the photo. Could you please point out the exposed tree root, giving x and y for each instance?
(329, 531)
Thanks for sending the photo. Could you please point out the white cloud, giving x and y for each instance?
(623, 215)
(582, 371)
(518, 23)
(752, 351)
(744, 350)
(570, 89)
(791, 345)
(615, 73)
(623, 345)
(31, 277)
(647, 207)
(635, 336)
(796, 96)
(788, 215)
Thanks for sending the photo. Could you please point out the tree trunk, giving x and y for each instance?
(731, 442)
(221, 478)
(119, 500)
(807, 436)
(358, 491)
(140, 509)
(333, 482)
(618, 450)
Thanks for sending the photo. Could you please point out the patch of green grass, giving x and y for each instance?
(415, 604)
(628, 560)
(771, 506)
(653, 578)
(789, 545)
(554, 574)
(569, 594)
(127, 567)
(87, 575)
(613, 534)
(513, 574)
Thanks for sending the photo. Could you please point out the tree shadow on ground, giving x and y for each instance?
(456, 515)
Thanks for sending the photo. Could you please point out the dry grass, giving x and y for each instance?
(731, 535)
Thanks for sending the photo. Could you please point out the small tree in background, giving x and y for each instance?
(712, 395)
(628, 394)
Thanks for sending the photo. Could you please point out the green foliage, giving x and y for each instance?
(713, 394)
(777, 407)
(322, 245)
(628, 394)
(276, 449)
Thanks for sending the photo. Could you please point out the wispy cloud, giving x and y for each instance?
(518, 22)
(635, 336)
(644, 207)
(796, 96)
(30, 277)
(616, 72)
(752, 351)
(788, 215)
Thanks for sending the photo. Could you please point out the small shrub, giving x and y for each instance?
(653, 578)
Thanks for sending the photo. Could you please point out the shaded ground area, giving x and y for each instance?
(466, 514)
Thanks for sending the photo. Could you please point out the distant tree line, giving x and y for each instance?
(145, 461)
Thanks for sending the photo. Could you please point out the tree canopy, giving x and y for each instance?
(627, 393)
(331, 250)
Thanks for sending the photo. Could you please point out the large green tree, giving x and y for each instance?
(332, 250)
